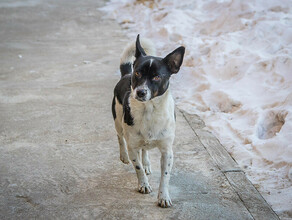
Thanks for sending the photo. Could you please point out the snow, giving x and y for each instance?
(236, 75)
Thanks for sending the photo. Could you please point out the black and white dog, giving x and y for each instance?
(143, 110)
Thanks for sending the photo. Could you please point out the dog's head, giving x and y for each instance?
(151, 75)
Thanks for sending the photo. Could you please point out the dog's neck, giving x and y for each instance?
(159, 107)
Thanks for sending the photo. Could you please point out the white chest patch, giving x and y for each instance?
(154, 119)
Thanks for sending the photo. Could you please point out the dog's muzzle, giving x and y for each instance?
(142, 94)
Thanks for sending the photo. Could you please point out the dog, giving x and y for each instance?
(144, 113)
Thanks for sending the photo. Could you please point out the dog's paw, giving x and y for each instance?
(125, 158)
(164, 201)
(147, 169)
(145, 189)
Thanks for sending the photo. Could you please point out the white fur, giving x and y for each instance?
(151, 60)
(153, 119)
(154, 126)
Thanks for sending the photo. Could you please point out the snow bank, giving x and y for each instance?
(237, 75)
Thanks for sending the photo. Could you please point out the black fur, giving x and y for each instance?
(128, 119)
(154, 71)
(122, 92)
(139, 50)
(174, 59)
(125, 68)
(113, 108)
(157, 68)
(123, 86)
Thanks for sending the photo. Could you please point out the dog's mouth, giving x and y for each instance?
(143, 99)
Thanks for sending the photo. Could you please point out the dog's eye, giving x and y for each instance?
(156, 78)
(138, 74)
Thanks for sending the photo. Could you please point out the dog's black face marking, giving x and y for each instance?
(151, 74)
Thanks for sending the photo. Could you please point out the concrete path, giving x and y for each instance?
(59, 157)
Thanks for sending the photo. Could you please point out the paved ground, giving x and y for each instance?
(59, 156)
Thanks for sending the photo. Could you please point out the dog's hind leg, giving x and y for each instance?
(143, 185)
(146, 162)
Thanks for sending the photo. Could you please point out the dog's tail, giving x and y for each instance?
(128, 55)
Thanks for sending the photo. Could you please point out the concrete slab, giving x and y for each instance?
(59, 157)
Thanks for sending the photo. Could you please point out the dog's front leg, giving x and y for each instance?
(143, 185)
(166, 164)
(146, 162)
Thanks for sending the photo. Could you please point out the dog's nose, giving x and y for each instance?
(141, 93)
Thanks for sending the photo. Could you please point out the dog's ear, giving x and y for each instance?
(175, 59)
(139, 50)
